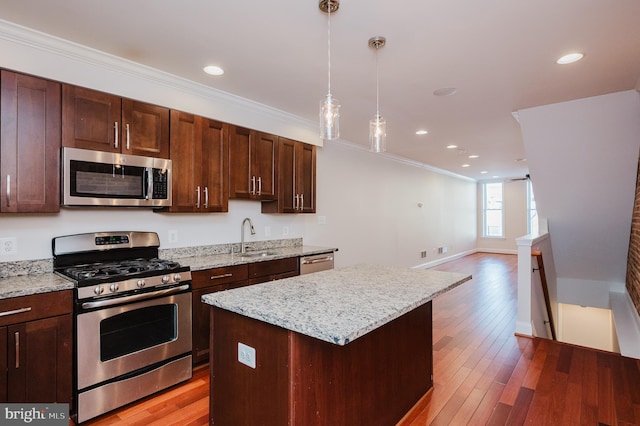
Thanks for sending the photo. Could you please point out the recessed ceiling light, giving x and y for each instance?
(213, 70)
(452, 146)
(495, 176)
(466, 165)
(421, 132)
(445, 91)
(570, 58)
(484, 172)
(474, 156)
(520, 160)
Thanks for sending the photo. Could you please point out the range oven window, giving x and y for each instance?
(138, 329)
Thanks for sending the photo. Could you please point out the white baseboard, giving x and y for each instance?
(460, 255)
(524, 328)
(444, 260)
(497, 251)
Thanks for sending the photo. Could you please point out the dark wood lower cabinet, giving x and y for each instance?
(205, 282)
(3, 363)
(40, 367)
(261, 272)
(225, 278)
(301, 381)
(36, 348)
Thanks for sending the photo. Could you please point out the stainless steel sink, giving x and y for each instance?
(255, 254)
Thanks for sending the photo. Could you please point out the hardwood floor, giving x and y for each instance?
(483, 373)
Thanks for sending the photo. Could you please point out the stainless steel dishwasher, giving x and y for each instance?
(316, 262)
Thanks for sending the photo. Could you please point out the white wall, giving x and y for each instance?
(371, 206)
(515, 218)
(370, 202)
(583, 158)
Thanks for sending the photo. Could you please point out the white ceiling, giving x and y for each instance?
(499, 54)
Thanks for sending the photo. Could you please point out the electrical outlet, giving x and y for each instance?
(285, 230)
(173, 236)
(322, 220)
(423, 254)
(246, 355)
(8, 246)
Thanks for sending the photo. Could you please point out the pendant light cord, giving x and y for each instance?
(329, 45)
(377, 86)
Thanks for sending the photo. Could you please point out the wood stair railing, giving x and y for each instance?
(545, 290)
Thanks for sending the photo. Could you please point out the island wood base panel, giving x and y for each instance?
(302, 381)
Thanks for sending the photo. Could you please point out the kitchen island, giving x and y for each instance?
(339, 347)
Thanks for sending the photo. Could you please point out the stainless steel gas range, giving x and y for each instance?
(132, 318)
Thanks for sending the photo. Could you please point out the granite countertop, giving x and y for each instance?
(201, 262)
(338, 305)
(31, 277)
(25, 285)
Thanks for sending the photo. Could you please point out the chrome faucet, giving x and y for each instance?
(243, 249)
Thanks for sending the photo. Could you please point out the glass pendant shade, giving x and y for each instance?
(329, 118)
(378, 134)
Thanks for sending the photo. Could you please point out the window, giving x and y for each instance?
(493, 217)
(532, 218)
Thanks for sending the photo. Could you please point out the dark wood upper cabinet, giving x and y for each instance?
(29, 144)
(200, 164)
(296, 179)
(145, 129)
(253, 162)
(103, 122)
(214, 156)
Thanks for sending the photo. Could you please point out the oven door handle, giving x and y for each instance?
(134, 298)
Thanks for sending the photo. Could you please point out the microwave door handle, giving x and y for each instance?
(128, 137)
(149, 176)
(115, 128)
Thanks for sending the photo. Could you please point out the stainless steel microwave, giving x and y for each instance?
(95, 178)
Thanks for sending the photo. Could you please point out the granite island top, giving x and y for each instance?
(338, 305)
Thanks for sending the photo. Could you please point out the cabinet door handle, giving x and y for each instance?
(198, 197)
(8, 190)
(259, 186)
(295, 202)
(206, 197)
(17, 337)
(15, 311)
(217, 277)
(115, 127)
(253, 185)
(128, 138)
(301, 201)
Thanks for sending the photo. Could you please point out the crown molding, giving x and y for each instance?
(398, 159)
(79, 54)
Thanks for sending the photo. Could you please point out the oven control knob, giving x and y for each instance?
(113, 287)
(165, 279)
(177, 277)
(141, 283)
(98, 290)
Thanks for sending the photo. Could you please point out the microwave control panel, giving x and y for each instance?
(160, 186)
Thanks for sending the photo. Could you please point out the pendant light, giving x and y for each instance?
(329, 106)
(377, 125)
